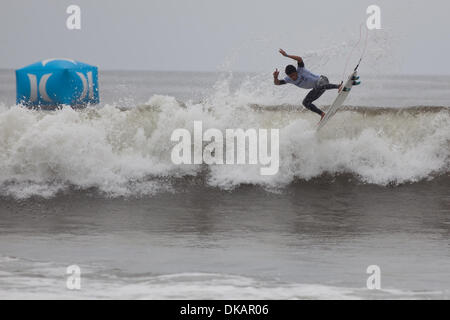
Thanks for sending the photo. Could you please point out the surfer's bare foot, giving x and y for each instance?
(322, 115)
(341, 86)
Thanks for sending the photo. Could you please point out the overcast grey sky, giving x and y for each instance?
(210, 35)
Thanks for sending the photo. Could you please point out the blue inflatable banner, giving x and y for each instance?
(55, 82)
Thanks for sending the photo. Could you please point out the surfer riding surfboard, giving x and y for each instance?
(303, 78)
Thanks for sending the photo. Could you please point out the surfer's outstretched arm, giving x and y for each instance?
(299, 60)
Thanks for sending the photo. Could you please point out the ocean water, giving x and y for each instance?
(96, 187)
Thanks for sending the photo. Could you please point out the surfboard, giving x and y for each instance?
(339, 99)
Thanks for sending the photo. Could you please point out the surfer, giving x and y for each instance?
(303, 78)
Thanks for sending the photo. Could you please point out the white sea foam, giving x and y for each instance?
(46, 280)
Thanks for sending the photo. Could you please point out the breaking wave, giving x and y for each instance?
(126, 151)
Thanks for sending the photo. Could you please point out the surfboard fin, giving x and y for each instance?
(355, 78)
(355, 83)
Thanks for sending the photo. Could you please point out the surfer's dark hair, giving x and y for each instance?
(290, 69)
